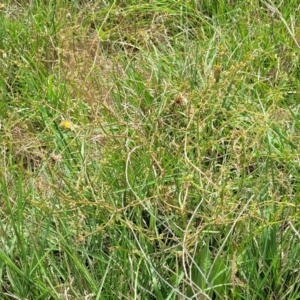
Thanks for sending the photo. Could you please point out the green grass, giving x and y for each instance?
(178, 175)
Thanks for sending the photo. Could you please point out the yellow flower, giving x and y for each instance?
(67, 125)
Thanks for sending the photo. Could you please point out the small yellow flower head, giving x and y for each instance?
(67, 125)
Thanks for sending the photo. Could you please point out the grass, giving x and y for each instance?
(149, 149)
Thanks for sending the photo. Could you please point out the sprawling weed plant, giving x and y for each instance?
(149, 149)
